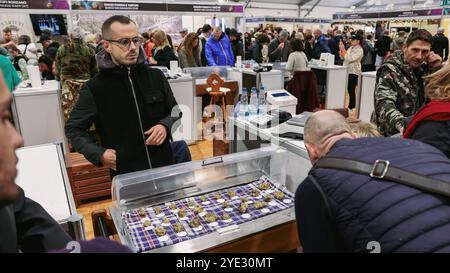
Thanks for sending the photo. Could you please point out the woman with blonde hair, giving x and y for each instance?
(431, 124)
(162, 53)
(189, 53)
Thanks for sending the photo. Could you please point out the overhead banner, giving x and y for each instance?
(391, 14)
(163, 7)
(35, 4)
(286, 20)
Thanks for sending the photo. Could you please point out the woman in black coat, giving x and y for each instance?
(162, 53)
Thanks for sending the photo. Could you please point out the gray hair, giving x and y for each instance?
(283, 33)
(440, 30)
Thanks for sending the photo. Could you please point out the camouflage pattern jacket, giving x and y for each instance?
(399, 93)
(75, 61)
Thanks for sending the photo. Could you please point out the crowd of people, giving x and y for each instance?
(135, 112)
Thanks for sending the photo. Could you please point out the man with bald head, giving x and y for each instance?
(342, 211)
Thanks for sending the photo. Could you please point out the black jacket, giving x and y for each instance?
(255, 51)
(238, 48)
(108, 101)
(203, 53)
(440, 43)
(164, 56)
(436, 133)
(308, 50)
(27, 227)
(277, 54)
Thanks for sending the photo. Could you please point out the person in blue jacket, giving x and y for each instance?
(320, 45)
(218, 49)
(343, 211)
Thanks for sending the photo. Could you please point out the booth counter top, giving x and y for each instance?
(334, 67)
(49, 87)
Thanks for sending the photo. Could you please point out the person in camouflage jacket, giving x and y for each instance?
(75, 60)
(74, 65)
(399, 90)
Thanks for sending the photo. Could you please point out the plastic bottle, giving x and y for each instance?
(253, 106)
(243, 103)
(262, 103)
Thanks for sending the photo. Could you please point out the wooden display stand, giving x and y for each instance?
(87, 180)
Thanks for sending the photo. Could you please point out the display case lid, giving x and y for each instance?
(205, 72)
(164, 184)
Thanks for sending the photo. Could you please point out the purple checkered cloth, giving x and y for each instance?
(145, 238)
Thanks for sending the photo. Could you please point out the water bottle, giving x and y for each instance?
(243, 104)
(253, 106)
(262, 103)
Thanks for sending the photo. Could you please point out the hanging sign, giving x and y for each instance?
(35, 4)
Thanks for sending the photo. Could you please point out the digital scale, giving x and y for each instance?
(282, 98)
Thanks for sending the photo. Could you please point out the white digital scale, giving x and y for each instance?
(283, 99)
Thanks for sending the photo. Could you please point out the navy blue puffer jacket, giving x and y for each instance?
(364, 210)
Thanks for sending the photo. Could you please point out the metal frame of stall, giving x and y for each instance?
(413, 14)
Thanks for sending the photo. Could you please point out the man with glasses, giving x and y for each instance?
(131, 105)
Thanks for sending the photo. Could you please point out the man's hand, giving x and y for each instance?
(157, 135)
(434, 60)
(109, 159)
(281, 46)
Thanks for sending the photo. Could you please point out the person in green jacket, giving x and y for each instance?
(9, 72)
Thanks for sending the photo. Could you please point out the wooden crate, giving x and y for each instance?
(87, 180)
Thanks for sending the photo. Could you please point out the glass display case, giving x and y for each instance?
(201, 74)
(147, 204)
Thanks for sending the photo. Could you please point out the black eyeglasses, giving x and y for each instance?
(125, 43)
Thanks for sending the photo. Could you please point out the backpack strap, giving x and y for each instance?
(381, 169)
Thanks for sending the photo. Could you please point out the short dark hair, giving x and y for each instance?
(296, 44)
(263, 38)
(106, 27)
(46, 60)
(419, 35)
(24, 39)
(7, 30)
(206, 28)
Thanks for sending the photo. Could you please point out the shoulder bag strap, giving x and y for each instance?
(382, 169)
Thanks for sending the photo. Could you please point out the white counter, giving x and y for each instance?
(183, 90)
(365, 98)
(37, 114)
(335, 86)
(243, 135)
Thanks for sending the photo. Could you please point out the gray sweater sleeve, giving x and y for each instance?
(77, 127)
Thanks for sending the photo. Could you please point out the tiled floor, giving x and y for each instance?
(201, 150)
